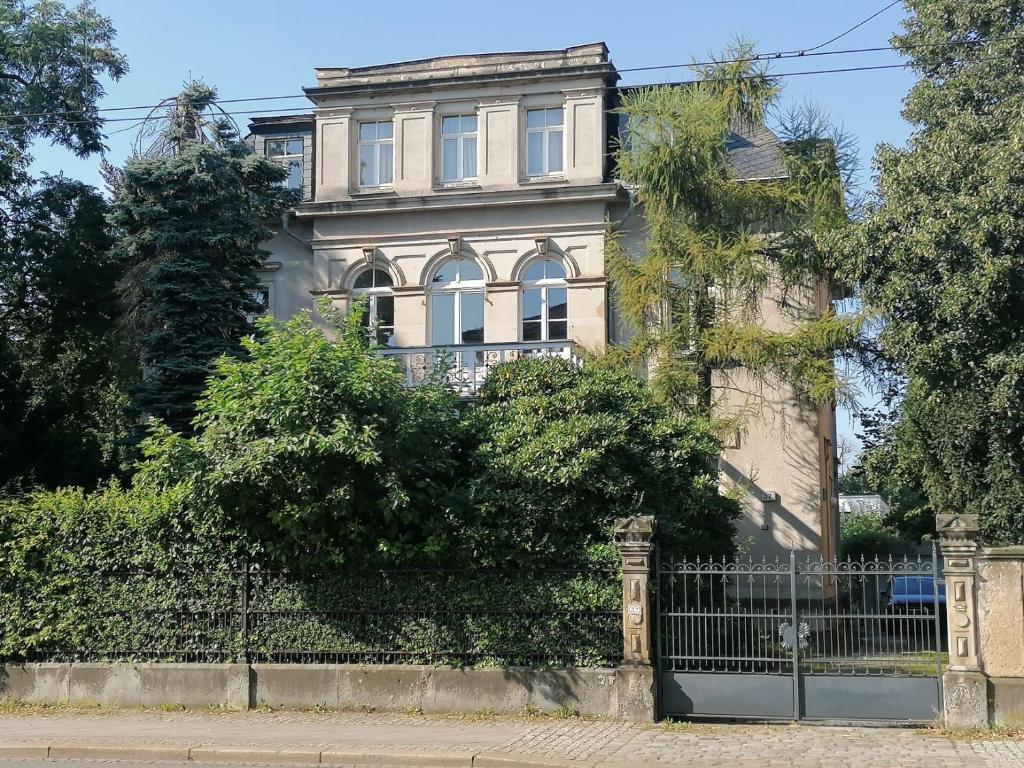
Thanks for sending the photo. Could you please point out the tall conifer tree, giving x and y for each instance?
(716, 245)
(191, 213)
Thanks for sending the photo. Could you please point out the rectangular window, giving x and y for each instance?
(458, 147)
(261, 297)
(442, 319)
(472, 317)
(287, 150)
(456, 317)
(545, 314)
(376, 153)
(544, 148)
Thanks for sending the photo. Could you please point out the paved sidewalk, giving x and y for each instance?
(420, 740)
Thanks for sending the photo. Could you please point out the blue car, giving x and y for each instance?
(915, 594)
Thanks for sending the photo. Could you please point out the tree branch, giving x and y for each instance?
(16, 78)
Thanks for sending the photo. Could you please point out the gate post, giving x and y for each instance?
(633, 537)
(965, 686)
(636, 692)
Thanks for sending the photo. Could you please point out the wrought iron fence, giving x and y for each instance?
(827, 617)
(456, 617)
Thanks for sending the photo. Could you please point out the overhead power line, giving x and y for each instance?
(141, 118)
(766, 57)
(759, 57)
(856, 26)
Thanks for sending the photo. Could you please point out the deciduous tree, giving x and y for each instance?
(941, 256)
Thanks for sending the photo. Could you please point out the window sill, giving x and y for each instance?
(457, 186)
(373, 191)
(555, 178)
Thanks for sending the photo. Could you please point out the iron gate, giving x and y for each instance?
(810, 639)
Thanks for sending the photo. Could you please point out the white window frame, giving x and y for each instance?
(457, 288)
(460, 138)
(379, 147)
(268, 307)
(544, 284)
(287, 159)
(545, 131)
(373, 293)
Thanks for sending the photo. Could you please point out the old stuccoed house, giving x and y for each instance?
(466, 198)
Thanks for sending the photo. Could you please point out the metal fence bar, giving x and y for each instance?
(553, 617)
(795, 629)
(717, 615)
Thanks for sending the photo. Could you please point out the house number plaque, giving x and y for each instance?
(635, 611)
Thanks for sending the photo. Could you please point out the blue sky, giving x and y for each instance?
(260, 48)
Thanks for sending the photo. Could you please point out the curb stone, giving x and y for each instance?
(250, 755)
(13, 751)
(454, 759)
(99, 752)
(339, 756)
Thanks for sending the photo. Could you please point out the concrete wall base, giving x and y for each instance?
(625, 693)
(965, 700)
(1006, 701)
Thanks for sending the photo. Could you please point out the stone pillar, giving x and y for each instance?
(633, 536)
(964, 685)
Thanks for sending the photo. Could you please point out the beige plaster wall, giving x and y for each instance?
(501, 136)
(1001, 611)
(503, 241)
(288, 272)
(786, 444)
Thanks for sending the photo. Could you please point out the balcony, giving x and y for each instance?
(468, 365)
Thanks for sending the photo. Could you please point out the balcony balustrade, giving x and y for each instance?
(467, 365)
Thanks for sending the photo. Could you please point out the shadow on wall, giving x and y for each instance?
(787, 528)
(548, 688)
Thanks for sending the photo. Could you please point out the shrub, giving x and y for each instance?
(869, 535)
(316, 449)
(561, 450)
(61, 550)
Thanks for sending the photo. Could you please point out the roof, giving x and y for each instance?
(588, 59)
(275, 123)
(756, 154)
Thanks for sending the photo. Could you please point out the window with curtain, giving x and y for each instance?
(376, 153)
(544, 132)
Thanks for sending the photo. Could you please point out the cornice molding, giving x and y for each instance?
(568, 193)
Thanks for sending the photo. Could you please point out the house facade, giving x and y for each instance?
(465, 200)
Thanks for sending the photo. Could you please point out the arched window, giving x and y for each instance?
(457, 303)
(545, 302)
(379, 319)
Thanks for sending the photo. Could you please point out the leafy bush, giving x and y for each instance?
(869, 535)
(312, 455)
(562, 450)
(59, 551)
(316, 449)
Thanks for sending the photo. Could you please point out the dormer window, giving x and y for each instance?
(544, 141)
(287, 151)
(376, 154)
(458, 148)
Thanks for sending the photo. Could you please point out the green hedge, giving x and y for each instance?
(126, 575)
